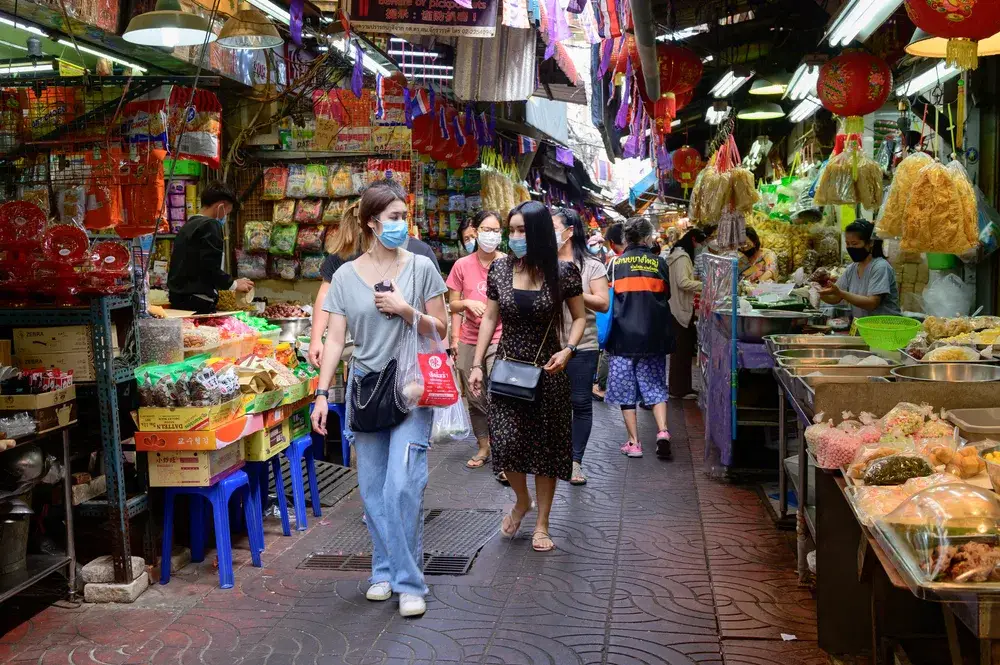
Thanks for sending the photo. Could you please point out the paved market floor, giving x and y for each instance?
(657, 563)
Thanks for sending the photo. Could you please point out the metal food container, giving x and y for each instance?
(821, 357)
(777, 343)
(992, 468)
(977, 424)
(292, 329)
(840, 370)
(948, 372)
(758, 325)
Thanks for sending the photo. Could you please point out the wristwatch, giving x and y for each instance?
(322, 393)
(572, 348)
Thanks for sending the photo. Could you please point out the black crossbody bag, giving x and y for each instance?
(517, 378)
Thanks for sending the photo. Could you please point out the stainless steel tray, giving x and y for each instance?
(840, 370)
(777, 343)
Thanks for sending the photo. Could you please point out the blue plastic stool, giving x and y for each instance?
(218, 496)
(301, 448)
(260, 474)
(340, 408)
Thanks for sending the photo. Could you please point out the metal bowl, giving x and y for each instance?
(950, 372)
(292, 329)
(992, 468)
(755, 327)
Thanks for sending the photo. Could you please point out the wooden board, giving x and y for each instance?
(878, 398)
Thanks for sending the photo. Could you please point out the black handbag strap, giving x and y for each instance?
(540, 346)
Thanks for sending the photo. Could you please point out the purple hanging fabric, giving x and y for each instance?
(459, 136)
(643, 141)
(622, 118)
(576, 6)
(358, 77)
(558, 27)
(295, 22)
(379, 97)
(407, 108)
(493, 121)
(606, 49)
(564, 156)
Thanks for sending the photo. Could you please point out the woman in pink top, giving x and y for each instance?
(467, 297)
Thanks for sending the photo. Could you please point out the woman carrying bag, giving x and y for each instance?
(380, 296)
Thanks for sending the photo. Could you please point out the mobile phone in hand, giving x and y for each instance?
(384, 287)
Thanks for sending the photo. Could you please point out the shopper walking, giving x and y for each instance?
(526, 292)
(572, 243)
(378, 297)
(640, 337)
(467, 297)
(682, 295)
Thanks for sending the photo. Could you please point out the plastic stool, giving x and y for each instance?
(218, 496)
(340, 408)
(301, 448)
(260, 474)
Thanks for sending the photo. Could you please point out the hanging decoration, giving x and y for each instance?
(854, 84)
(680, 71)
(962, 22)
(686, 164)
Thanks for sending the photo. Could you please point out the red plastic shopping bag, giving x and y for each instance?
(440, 388)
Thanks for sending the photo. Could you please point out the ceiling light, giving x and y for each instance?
(168, 26)
(775, 84)
(803, 81)
(13, 45)
(249, 29)
(420, 65)
(928, 79)
(415, 54)
(684, 33)
(805, 109)
(366, 60)
(768, 111)
(433, 77)
(708, 58)
(675, 123)
(102, 54)
(715, 117)
(927, 46)
(730, 82)
(274, 11)
(23, 26)
(859, 19)
(25, 67)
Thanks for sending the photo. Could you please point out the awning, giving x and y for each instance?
(641, 189)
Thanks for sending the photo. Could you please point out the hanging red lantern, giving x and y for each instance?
(854, 84)
(961, 22)
(680, 71)
(687, 163)
(684, 98)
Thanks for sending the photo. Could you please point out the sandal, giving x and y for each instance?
(514, 524)
(538, 540)
(502, 478)
(478, 461)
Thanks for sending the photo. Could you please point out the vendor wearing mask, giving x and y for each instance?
(869, 284)
(196, 275)
(762, 264)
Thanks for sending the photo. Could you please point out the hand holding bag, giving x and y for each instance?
(516, 378)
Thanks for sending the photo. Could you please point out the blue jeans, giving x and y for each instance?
(392, 475)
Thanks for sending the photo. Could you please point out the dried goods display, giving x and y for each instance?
(896, 470)
(193, 382)
(950, 353)
(284, 311)
(890, 221)
(850, 177)
(941, 213)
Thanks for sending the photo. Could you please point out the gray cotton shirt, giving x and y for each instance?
(878, 280)
(376, 338)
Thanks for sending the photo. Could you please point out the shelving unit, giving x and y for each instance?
(109, 371)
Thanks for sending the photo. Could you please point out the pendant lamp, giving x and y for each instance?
(250, 28)
(167, 26)
(929, 46)
(770, 111)
(775, 84)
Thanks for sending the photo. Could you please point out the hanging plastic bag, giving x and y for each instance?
(438, 372)
(409, 378)
(949, 296)
(451, 423)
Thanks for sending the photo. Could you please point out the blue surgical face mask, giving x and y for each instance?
(470, 246)
(594, 249)
(393, 233)
(223, 220)
(518, 245)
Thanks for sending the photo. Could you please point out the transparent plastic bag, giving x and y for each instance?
(836, 182)
(949, 296)
(868, 454)
(897, 469)
(890, 220)
(409, 379)
(451, 423)
(941, 214)
(906, 418)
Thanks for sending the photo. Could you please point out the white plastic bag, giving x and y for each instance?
(451, 423)
(948, 296)
(409, 379)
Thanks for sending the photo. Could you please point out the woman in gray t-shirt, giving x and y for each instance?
(869, 284)
(379, 296)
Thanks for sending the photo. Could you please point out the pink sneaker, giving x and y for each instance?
(633, 450)
(625, 446)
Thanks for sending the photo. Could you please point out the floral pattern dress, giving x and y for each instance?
(532, 437)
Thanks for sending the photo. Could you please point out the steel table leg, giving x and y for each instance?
(68, 500)
(782, 454)
(801, 527)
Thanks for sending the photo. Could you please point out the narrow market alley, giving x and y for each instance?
(656, 563)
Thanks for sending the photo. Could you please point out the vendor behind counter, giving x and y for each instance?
(869, 283)
(761, 264)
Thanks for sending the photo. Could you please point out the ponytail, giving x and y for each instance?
(348, 240)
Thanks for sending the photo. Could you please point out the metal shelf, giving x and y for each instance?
(39, 567)
(98, 508)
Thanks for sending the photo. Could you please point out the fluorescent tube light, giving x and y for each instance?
(714, 117)
(803, 82)
(859, 19)
(730, 83)
(272, 10)
(433, 77)
(708, 58)
(23, 26)
(928, 79)
(366, 60)
(420, 65)
(675, 123)
(102, 54)
(415, 54)
(805, 109)
(683, 33)
(13, 45)
(25, 68)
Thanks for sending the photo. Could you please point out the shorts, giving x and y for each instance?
(636, 379)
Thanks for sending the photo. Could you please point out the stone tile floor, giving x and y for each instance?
(657, 563)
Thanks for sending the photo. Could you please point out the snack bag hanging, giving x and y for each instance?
(195, 131)
(104, 192)
(275, 181)
(143, 190)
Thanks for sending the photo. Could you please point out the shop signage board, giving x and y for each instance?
(440, 18)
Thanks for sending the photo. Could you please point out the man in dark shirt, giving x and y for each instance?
(196, 275)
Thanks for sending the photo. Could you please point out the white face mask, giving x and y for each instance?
(560, 240)
(489, 241)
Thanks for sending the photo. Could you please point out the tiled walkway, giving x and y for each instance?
(656, 564)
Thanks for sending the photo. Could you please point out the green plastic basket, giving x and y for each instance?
(888, 333)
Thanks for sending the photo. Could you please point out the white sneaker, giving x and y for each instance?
(411, 605)
(379, 591)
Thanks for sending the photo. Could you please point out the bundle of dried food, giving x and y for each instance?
(868, 185)
(744, 191)
(950, 353)
(941, 214)
(836, 182)
(890, 221)
(896, 470)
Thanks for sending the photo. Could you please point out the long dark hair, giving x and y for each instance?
(572, 220)
(542, 259)
(865, 230)
(688, 240)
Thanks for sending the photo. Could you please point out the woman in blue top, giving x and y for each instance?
(869, 284)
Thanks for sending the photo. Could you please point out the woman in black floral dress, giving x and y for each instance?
(526, 290)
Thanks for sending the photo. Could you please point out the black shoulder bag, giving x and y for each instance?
(516, 378)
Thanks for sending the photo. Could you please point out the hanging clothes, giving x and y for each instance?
(501, 69)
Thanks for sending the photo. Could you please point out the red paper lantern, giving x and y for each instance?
(854, 84)
(680, 71)
(961, 22)
(687, 163)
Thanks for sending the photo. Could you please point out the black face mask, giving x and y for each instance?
(858, 254)
(749, 252)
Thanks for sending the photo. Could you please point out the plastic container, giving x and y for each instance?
(977, 424)
(937, 261)
(889, 333)
(187, 168)
(248, 343)
(161, 341)
(230, 349)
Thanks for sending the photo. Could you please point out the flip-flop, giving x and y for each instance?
(502, 479)
(477, 461)
(538, 538)
(514, 523)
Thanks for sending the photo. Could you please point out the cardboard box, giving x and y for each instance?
(82, 363)
(264, 401)
(296, 393)
(186, 418)
(204, 439)
(265, 444)
(193, 468)
(50, 410)
(282, 413)
(58, 339)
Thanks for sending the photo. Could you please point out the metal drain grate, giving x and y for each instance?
(433, 564)
(460, 532)
(333, 481)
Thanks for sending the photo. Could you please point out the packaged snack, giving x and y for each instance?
(836, 182)
(896, 469)
(334, 210)
(283, 239)
(275, 183)
(256, 236)
(285, 268)
(339, 181)
(359, 179)
(310, 239)
(311, 266)
(316, 180)
(308, 211)
(251, 266)
(905, 419)
(455, 179)
(744, 189)
(941, 214)
(72, 204)
(284, 211)
(296, 186)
